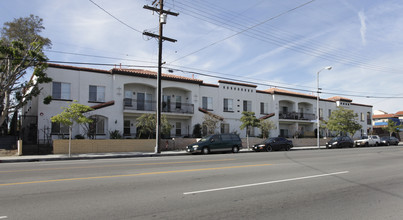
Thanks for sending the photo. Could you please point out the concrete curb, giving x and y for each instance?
(122, 155)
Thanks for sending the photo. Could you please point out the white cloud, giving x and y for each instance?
(363, 29)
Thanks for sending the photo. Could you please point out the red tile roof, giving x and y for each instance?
(237, 83)
(152, 74)
(339, 98)
(267, 116)
(103, 105)
(399, 113)
(287, 92)
(384, 116)
(77, 68)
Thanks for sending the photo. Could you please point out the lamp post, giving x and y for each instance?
(317, 105)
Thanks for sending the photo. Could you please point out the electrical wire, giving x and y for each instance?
(325, 54)
(125, 24)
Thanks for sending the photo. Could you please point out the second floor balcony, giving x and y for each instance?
(297, 116)
(170, 107)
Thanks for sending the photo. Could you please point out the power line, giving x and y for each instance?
(261, 35)
(134, 29)
(245, 30)
(97, 56)
(283, 87)
(199, 70)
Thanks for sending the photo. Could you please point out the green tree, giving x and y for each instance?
(266, 126)
(392, 127)
(211, 123)
(343, 120)
(249, 121)
(147, 123)
(21, 51)
(74, 113)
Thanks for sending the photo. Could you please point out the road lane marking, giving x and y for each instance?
(131, 175)
(116, 165)
(265, 183)
(3, 217)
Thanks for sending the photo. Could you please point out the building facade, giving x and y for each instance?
(120, 96)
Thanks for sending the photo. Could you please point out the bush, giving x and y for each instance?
(79, 136)
(115, 134)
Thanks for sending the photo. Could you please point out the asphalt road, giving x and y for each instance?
(358, 183)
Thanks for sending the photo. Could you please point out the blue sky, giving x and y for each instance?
(270, 42)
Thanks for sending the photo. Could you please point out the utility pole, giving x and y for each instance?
(162, 20)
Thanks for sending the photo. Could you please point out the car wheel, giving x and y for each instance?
(366, 144)
(206, 150)
(387, 143)
(287, 148)
(235, 149)
(268, 148)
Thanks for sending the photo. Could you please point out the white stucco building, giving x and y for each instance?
(120, 96)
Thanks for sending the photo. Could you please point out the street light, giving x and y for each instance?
(317, 104)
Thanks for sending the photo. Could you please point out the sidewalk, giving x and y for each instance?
(56, 157)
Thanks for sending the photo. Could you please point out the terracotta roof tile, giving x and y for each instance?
(78, 68)
(399, 113)
(384, 116)
(339, 98)
(152, 74)
(287, 92)
(237, 83)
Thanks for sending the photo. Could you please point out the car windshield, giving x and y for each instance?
(335, 138)
(384, 138)
(364, 137)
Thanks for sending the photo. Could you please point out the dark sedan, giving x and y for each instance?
(277, 143)
(386, 141)
(339, 142)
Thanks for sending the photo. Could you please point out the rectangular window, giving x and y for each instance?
(178, 129)
(369, 118)
(97, 93)
(362, 117)
(228, 105)
(178, 102)
(330, 113)
(264, 108)
(58, 128)
(207, 103)
(320, 113)
(224, 128)
(97, 126)
(247, 106)
(126, 127)
(61, 90)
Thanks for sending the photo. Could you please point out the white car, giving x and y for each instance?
(370, 140)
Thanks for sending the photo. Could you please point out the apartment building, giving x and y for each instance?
(119, 96)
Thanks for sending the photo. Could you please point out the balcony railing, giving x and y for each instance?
(143, 105)
(296, 116)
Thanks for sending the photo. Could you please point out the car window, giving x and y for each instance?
(226, 137)
(235, 137)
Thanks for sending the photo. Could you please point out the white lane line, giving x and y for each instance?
(264, 183)
(3, 217)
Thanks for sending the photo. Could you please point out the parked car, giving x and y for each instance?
(275, 143)
(216, 143)
(340, 142)
(386, 141)
(366, 141)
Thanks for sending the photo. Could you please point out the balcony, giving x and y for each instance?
(297, 116)
(170, 107)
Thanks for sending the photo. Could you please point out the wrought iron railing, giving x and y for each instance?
(297, 116)
(172, 107)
